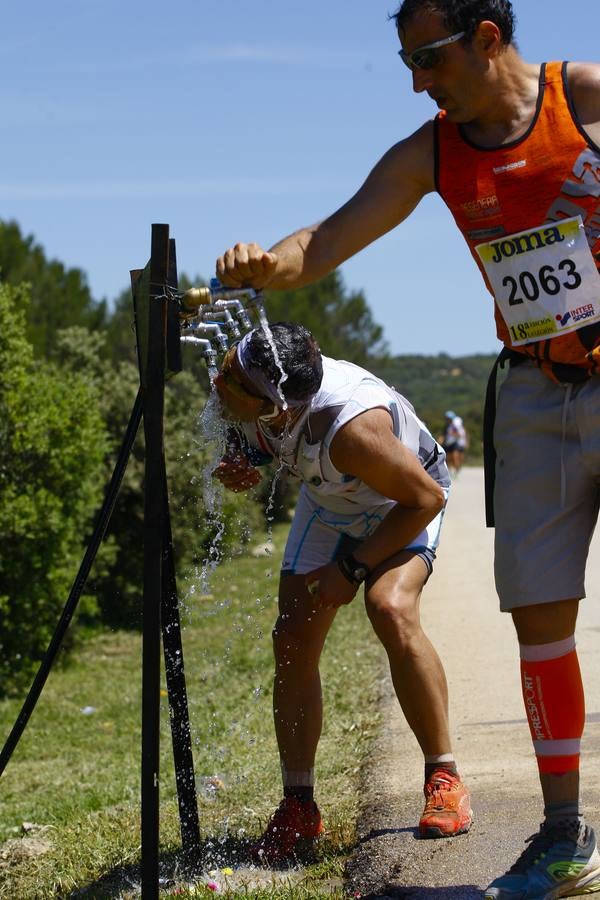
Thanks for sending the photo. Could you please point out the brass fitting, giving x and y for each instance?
(194, 298)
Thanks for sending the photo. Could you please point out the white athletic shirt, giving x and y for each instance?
(456, 433)
(346, 391)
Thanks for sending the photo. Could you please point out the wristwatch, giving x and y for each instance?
(356, 572)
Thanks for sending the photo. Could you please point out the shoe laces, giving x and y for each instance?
(439, 783)
(539, 844)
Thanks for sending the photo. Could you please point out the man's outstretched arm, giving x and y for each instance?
(392, 190)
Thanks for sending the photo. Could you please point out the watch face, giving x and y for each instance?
(354, 571)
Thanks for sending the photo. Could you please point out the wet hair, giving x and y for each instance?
(462, 15)
(299, 355)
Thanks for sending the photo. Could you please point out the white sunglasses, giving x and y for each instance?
(428, 56)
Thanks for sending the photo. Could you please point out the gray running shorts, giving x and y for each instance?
(547, 439)
(318, 536)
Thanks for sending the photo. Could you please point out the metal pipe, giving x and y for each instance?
(208, 352)
(240, 313)
(223, 315)
(196, 297)
(211, 330)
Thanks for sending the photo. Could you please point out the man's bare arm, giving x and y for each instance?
(390, 193)
(367, 448)
(584, 82)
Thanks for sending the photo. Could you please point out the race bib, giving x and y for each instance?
(545, 280)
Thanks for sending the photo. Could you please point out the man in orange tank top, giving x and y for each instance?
(515, 154)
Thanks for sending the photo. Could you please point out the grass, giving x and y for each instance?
(75, 776)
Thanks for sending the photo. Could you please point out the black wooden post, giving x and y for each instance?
(154, 508)
(171, 631)
(178, 706)
(159, 356)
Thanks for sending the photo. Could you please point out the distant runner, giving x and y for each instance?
(454, 441)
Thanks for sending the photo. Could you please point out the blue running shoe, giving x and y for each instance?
(557, 863)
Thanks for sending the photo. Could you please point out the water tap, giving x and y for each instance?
(225, 319)
(209, 354)
(212, 331)
(239, 312)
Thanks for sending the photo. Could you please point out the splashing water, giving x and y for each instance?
(264, 324)
(213, 429)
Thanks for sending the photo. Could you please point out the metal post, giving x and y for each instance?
(153, 556)
(171, 631)
(178, 705)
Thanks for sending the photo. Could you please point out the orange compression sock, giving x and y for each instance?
(554, 702)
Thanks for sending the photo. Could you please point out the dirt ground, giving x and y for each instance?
(491, 738)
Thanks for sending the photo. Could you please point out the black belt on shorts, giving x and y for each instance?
(489, 418)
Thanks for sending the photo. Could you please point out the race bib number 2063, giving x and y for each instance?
(545, 280)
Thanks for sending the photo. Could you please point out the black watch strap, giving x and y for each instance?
(356, 572)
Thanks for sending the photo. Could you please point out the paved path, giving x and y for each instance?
(492, 745)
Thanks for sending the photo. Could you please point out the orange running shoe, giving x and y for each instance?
(292, 831)
(447, 806)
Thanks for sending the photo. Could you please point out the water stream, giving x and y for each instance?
(213, 429)
(264, 324)
(222, 768)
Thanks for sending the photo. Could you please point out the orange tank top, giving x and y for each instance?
(549, 174)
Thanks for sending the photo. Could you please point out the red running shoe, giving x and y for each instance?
(292, 831)
(447, 806)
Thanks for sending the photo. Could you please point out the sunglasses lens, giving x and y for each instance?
(427, 58)
(406, 58)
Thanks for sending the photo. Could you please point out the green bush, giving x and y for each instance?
(52, 447)
(58, 296)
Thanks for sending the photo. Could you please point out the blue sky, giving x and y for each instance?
(236, 121)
